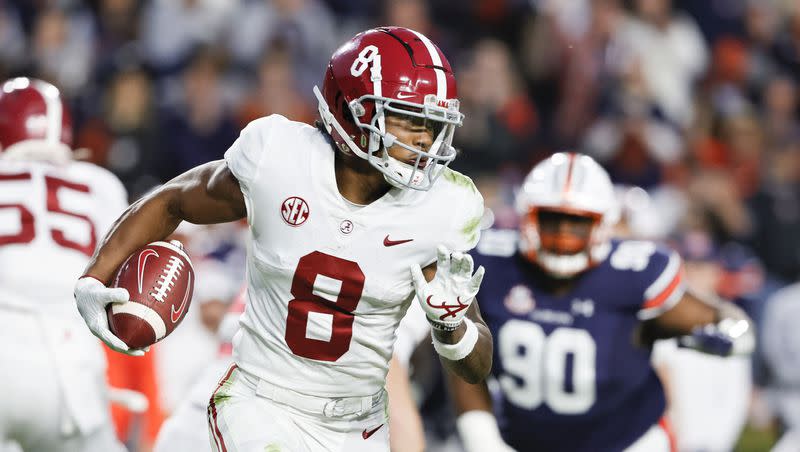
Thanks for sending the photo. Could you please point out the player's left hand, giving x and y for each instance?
(446, 298)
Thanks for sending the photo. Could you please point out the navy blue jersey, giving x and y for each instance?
(570, 375)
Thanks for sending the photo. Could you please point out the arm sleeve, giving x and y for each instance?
(664, 285)
(245, 156)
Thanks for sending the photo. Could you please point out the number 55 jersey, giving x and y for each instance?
(329, 281)
(570, 375)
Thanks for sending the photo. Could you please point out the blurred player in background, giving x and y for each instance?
(53, 211)
(342, 217)
(708, 396)
(781, 345)
(573, 313)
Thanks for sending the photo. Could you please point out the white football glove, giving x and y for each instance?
(448, 296)
(91, 297)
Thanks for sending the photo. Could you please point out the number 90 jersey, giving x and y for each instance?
(328, 281)
(51, 218)
(570, 375)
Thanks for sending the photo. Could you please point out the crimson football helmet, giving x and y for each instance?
(572, 184)
(34, 122)
(391, 70)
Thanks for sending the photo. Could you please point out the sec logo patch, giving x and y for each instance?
(295, 211)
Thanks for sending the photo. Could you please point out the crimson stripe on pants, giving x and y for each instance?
(212, 413)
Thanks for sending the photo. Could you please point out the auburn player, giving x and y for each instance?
(569, 309)
(52, 210)
(349, 222)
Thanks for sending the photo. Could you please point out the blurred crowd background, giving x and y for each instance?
(692, 106)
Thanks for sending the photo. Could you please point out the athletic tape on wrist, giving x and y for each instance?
(460, 349)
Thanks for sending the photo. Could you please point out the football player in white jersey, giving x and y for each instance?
(350, 221)
(52, 210)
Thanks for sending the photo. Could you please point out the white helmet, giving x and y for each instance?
(573, 184)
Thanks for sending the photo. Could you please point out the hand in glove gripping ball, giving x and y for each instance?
(92, 297)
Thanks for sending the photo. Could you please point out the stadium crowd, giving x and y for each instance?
(692, 107)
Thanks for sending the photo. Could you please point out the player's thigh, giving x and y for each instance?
(368, 433)
(252, 424)
(186, 429)
(240, 421)
(30, 408)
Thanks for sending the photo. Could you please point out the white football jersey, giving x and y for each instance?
(51, 219)
(328, 282)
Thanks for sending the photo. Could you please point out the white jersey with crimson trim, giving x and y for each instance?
(51, 219)
(328, 282)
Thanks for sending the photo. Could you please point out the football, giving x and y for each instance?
(159, 278)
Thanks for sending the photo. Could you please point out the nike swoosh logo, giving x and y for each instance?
(175, 315)
(405, 95)
(366, 434)
(388, 242)
(142, 261)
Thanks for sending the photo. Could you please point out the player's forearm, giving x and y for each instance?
(476, 366)
(467, 396)
(145, 221)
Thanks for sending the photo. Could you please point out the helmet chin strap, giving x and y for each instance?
(403, 172)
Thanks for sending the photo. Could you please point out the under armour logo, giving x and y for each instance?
(583, 307)
(450, 309)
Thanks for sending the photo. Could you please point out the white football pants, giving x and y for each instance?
(247, 414)
(54, 386)
(709, 397)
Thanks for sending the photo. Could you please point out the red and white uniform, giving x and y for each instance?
(328, 283)
(186, 428)
(51, 217)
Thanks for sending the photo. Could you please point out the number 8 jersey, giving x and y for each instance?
(570, 375)
(329, 281)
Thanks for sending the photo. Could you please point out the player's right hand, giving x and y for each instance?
(92, 297)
